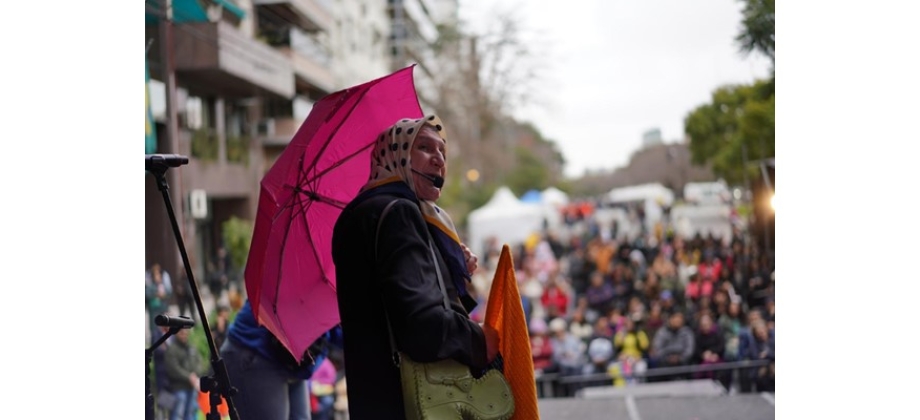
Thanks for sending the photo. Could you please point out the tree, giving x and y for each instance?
(758, 28)
(483, 76)
(736, 128)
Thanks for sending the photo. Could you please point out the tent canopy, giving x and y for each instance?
(654, 192)
(505, 218)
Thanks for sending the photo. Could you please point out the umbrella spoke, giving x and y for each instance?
(335, 131)
(337, 164)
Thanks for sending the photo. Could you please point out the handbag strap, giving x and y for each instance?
(437, 268)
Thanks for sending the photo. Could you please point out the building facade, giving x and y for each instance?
(231, 81)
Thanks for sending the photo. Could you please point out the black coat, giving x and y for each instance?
(403, 278)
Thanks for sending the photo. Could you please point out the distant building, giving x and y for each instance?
(651, 138)
(667, 164)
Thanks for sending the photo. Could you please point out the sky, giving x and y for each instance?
(614, 69)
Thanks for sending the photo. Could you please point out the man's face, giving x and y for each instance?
(428, 156)
(676, 321)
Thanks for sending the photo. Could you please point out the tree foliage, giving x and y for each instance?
(237, 235)
(758, 28)
(736, 128)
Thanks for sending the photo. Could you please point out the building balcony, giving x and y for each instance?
(278, 131)
(311, 60)
(216, 58)
(311, 15)
(230, 175)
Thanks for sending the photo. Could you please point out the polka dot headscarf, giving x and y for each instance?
(391, 156)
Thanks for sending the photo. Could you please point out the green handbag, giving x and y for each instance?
(446, 389)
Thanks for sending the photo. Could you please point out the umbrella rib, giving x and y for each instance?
(299, 211)
(339, 163)
(333, 133)
(281, 262)
(306, 223)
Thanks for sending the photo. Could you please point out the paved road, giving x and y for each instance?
(684, 400)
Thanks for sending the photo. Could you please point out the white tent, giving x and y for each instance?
(652, 197)
(552, 201)
(555, 196)
(505, 218)
(655, 192)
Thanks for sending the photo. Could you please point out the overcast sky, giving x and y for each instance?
(617, 68)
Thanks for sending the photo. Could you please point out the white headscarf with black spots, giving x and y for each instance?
(391, 161)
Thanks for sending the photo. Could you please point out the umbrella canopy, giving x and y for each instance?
(290, 275)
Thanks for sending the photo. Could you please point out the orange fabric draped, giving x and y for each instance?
(505, 313)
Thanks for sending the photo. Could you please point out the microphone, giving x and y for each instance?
(164, 161)
(174, 322)
(436, 180)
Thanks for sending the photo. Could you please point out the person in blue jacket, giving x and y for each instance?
(270, 383)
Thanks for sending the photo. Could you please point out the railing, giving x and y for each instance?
(549, 383)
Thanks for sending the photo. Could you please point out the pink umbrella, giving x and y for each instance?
(290, 276)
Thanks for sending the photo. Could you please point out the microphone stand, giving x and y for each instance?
(149, 393)
(217, 385)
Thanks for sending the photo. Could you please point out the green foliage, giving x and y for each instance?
(237, 235)
(199, 341)
(736, 128)
(759, 28)
(529, 172)
(238, 149)
(204, 145)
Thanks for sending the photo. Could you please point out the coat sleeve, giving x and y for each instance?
(424, 329)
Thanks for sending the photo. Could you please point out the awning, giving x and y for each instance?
(232, 8)
(191, 10)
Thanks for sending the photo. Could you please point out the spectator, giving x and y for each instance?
(219, 275)
(322, 390)
(655, 319)
(555, 298)
(600, 354)
(183, 298)
(579, 326)
(709, 347)
(158, 294)
(220, 325)
(632, 346)
(569, 353)
(568, 350)
(541, 347)
(673, 345)
(760, 346)
(732, 327)
(710, 269)
(698, 287)
(600, 294)
(183, 367)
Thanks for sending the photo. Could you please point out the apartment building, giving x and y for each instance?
(246, 74)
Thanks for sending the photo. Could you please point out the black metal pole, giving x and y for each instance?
(220, 381)
(149, 358)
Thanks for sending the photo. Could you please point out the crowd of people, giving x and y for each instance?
(597, 302)
(600, 302)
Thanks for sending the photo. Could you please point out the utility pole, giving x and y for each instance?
(167, 46)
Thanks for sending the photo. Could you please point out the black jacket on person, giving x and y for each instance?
(713, 341)
(403, 278)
